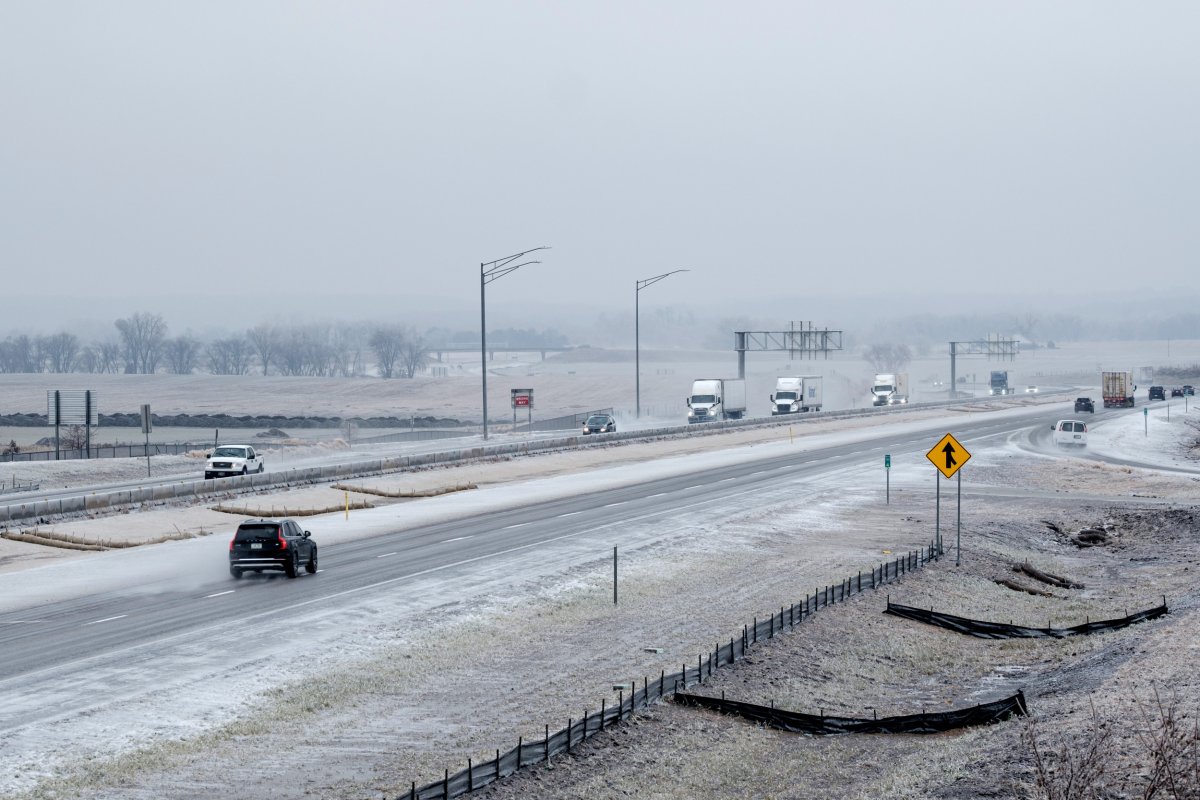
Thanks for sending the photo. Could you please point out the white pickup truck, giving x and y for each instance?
(233, 459)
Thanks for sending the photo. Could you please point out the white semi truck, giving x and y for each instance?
(796, 393)
(890, 389)
(717, 398)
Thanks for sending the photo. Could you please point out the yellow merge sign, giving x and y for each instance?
(948, 455)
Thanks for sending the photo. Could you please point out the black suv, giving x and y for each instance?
(1176, 391)
(1157, 393)
(275, 544)
(1084, 404)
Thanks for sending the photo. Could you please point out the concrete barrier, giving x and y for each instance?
(30, 509)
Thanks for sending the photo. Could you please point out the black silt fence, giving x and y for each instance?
(651, 690)
(822, 725)
(1000, 630)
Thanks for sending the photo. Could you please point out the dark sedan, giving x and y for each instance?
(1084, 404)
(599, 423)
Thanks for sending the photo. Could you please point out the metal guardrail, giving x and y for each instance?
(80, 504)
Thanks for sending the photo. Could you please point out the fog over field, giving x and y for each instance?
(805, 161)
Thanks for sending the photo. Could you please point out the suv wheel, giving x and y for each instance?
(235, 572)
(290, 568)
(311, 566)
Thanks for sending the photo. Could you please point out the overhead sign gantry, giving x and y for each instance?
(992, 347)
(805, 340)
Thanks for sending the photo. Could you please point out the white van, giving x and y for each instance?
(1070, 433)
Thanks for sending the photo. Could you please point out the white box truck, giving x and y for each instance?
(890, 389)
(796, 393)
(717, 398)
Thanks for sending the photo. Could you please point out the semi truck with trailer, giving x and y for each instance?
(1117, 388)
(999, 383)
(796, 393)
(890, 389)
(716, 399)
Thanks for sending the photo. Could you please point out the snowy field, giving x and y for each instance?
(404, 689)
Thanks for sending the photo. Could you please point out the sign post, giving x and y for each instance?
(1145, 421)
(522, 398)
(949, 456)
(147, 427)
(887, 471)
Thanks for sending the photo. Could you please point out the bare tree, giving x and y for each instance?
(89, 360)
(229, 356)
(73, 437)
(108, 355)
(888, 357)
(17, 354)
(386, 342)
(61, 351)
(414, 354)
(182, 353)
(265, 341)
(142, 337)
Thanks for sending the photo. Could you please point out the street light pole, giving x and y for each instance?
(490, 271)
(637, 334)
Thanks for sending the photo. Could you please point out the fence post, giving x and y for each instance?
(601, 713)
(662, 678)
(519, 739)
(470, 777)
(446, 784)
(569, 721)
(620, 704)
(497, 763)
(547, 743)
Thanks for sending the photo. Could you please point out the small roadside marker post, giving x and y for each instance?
(1145, 421)
(887, 471)
(614, 574)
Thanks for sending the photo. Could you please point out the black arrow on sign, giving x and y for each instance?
(949, 451)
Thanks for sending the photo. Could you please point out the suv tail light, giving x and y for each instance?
(231, 541)
(282, 541)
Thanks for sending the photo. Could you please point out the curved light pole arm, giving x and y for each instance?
(637, 334)
(490, 271)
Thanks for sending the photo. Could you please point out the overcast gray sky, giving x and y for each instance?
(377, 152)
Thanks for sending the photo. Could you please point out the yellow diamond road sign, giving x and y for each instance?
(948, 455)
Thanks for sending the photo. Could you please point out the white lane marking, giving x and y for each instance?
(218, 594)
(724, 480)
(106, 619)
(18, 622)
(660, 494)
(455, 539)
(383, 555)
(697, 486)
(570, 513)
(623, 502)
(518, 525)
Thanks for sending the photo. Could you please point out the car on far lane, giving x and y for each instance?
(1031, 389)
(599, 423)
(233, 459)
(1176, 391)
(1070, 433)
(1157, 393)
(1084, 404)
(1188, 390)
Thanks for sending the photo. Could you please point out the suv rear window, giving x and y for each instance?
(256, 533)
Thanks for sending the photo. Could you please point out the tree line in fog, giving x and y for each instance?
(142, 344)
